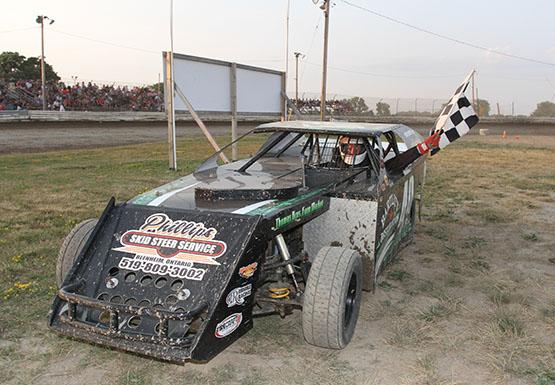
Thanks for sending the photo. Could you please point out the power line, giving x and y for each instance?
(105, 42)
(386, 75)
(399, 76)
(309, 51)
(19, 29)
(145, 50)
(503, 77)
(445, 37)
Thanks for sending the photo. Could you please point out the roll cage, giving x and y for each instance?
(318, 150)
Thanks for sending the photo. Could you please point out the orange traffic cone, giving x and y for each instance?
(504, 136)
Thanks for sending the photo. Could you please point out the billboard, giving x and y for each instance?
(218, 86)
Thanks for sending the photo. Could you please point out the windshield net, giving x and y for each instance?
(335, 152)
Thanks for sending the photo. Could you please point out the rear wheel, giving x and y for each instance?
(332, 298)
(72, 247)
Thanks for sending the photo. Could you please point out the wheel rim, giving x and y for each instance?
(350, 300)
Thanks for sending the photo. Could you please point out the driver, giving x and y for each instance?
(353, 151)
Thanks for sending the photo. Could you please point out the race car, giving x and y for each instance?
(308, 222)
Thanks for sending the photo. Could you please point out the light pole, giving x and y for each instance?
(326, 8)
(297, 55)
(287, 45)
(40, 20)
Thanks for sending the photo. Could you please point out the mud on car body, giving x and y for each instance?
(307, 223)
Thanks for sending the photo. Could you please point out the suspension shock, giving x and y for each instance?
(284, 252)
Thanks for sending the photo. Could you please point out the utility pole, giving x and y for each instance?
(40, 20)
(326, 8)
(297, 55)
(287, 45)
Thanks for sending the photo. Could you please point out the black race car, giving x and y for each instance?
(308, 222)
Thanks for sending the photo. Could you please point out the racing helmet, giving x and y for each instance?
(353, 151)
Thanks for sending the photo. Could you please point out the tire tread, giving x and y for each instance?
(323, 302)
(71, 247)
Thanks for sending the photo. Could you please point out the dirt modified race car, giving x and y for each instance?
(307, 222)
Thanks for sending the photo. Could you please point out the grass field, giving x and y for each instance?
(470, 301)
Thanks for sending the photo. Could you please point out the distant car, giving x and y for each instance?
(308, 222)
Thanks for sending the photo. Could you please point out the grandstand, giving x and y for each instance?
(26, 95)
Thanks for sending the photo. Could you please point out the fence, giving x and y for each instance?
(394, 106)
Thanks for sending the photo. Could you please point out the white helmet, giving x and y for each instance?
(353, 151)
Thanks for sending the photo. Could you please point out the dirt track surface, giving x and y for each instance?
(48, 136)
(470, 301)
(35, 137)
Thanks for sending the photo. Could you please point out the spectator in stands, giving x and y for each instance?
(84, 97)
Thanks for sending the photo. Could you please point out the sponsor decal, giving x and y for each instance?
(405, 222)
(161, 266)
(228, 325)
(276, 206)
(167, 247)
(237, 296)
(248, 271)
(389, 218)
(390, 209)
(398, 225)
(297, 215)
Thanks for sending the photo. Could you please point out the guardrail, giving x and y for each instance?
(10, 116)
(120, 116)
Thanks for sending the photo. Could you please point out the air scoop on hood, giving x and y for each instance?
(210, 194)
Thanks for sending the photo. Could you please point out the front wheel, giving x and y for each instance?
(332, 298)
(71, 248)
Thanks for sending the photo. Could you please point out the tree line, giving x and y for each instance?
(16, 67)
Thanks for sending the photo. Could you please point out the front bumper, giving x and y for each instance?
(166, 335)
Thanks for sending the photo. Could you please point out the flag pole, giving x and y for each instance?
(473, 89)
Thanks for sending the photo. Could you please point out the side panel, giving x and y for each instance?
(347, 223)
(233, 312)
(396, 216)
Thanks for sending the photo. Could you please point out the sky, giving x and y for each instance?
(121, 42)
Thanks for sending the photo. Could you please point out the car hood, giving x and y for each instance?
(225, 189)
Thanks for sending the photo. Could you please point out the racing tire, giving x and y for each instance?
(332, 298)
(71, 247)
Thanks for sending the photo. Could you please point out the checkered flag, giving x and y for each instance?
(456, 118)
